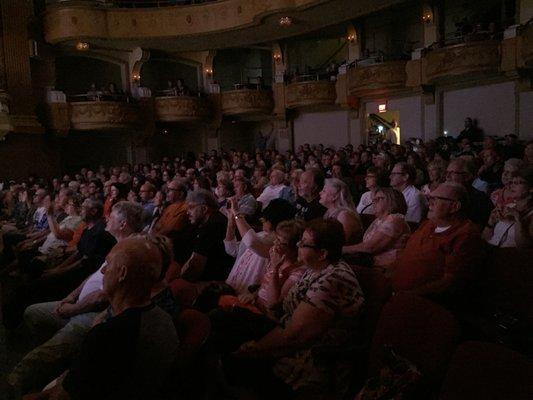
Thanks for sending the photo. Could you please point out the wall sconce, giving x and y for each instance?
(208, 70)
(136, 78)
(352, 37)
(277, 57)
(285, 21)
(427, 14)
(82, 46)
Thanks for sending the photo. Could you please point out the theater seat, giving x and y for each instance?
(193, 329)
(487, 371)
(184, 292)
(367, 219)
(420, 331)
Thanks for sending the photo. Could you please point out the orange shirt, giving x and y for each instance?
(77, 234)
(428, 256)
(174, 218)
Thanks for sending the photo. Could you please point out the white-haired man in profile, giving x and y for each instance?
(130, 355)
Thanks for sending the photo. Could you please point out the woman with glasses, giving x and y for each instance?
(318, 318)
(388, 233)
(512, 226)
(336, 197)
(374, 179)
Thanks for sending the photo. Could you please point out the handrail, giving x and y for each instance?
(99, 97)
(131, 3)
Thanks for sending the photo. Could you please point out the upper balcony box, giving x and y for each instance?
(377, 79)
(180, 109)
(103, 115)
(247, 102)
(310, 94)
(472, 59)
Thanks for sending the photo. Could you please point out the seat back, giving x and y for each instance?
(481, 370)
(418, 330)
(377, 291)
(193, 329)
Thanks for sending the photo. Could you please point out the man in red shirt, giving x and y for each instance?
(442, 255)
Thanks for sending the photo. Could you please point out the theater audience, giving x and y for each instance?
(64, 323)
(276, 189)
(503, 196)
(436, 174)
(174, 216)
(441, 256)
(252, 252)
(479, 206)
(208, 261)
(308, 205)
(246, 201)
(374, 179)
(388, 233)
(336, 197)
(318, 308)
(130, 355)
(512, 224)
(402, 177)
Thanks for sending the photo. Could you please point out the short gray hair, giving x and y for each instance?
(132, 213)
(203, 197)
(515, 163)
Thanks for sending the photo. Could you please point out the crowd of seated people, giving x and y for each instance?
(97, 264)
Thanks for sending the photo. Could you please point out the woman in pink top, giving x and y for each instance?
(388, 233)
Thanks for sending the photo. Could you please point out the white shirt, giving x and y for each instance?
(270, 193)
(365, 204)
(251, 262)
(51, 242)
(93, 283)
(416, 204)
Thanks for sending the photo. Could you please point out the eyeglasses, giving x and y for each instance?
(433, 198)
(455, 173)
(307, 245)
(519, 182)
(379, 198)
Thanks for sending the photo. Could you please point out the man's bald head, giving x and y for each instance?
(133, 267)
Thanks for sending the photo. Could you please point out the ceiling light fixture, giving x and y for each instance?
(82, 46)
(285, 21)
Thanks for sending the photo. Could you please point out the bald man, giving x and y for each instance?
(130, 355)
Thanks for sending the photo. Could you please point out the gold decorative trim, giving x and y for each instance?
(377, 79)
(103, 115)
(179, 108)
(310, 93)
(243, 102)
(463, 59)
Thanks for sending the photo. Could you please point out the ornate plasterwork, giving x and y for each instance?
(311, 93)
(179, 108)
(463, 59)
(377, 79)
(242, 102)
(103, 115)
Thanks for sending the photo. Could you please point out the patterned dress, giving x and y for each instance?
(333, 290)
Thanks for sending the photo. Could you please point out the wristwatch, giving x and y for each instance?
(238, 216)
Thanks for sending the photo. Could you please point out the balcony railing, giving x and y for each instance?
(104, 115)
(310, 93)
(249, 102)
(130, 3)
(180, 108)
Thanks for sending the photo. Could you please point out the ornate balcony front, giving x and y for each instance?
(103, 115)
(310, 94)
(247, 103)
(180, 109)
(377, 79)
(471, 59)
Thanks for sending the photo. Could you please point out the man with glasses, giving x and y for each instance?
(401, 179)
(174, 216)
(441, 256)
(463, 172)
(208, 260)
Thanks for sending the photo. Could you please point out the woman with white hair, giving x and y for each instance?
(503, 196)
(337, 199)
